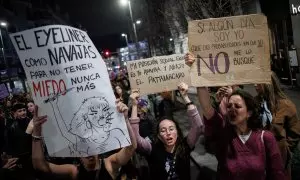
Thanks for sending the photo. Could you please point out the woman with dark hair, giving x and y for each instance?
(279, 115)
(30, 113)
(30, 108)
(168, 155)
(123, 80)
(121, 94)
(244, 151)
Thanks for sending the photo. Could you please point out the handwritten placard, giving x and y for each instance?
(70, 84)
(230, 50)
(158, 74)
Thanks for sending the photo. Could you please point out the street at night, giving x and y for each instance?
(149, 90)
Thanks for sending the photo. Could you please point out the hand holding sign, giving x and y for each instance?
(183, 89)
(122, 108)
(225, 91)
(134, 97)
(38, 121)
(189, 59)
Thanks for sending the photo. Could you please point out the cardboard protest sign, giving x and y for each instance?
(158, 74)
(70, 84)
(3, 91)
(230, 50)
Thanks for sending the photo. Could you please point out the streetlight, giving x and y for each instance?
(4, 25)
(126, 38)
(127, 2)
(138, 22)
(124, 2)
(171, 39)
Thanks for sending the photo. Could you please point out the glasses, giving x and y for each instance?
(164, 131)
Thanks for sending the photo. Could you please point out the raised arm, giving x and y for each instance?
(142, 144)
(195, 120)
(38, 159)
(121, 158)
(204, 99)
(203, 94)
(213, 121)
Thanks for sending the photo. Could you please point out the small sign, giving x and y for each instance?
(3, 91)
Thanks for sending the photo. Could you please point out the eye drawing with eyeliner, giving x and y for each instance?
(90, 129)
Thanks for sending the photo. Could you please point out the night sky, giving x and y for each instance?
(104, 20)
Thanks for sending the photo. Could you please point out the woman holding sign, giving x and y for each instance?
(169, 154)
(244, 151)
(90, 168)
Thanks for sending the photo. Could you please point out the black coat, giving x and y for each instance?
(157, 161)
(17, 141)
(166, 108)
(18, 144)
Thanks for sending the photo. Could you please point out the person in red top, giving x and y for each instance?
(244, 151)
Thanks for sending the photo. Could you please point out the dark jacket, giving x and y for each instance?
(17, 141)
(18, 144)
(157, 162)
(166, 108)
(148, 126)
(2, 132)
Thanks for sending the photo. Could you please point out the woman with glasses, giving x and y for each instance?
(168, 155)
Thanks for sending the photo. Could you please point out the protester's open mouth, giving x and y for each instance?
(169, 140)
(232, 116)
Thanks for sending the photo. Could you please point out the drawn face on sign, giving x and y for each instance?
(92, 120)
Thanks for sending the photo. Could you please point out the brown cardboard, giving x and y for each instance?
(158, 74)
(242, 41)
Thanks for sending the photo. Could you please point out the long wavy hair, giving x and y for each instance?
(272, 93)
(254, 122)
(180, 145)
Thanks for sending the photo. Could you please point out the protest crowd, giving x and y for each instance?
(253, 137)
(116, 126)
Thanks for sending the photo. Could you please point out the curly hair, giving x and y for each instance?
(254, 121)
